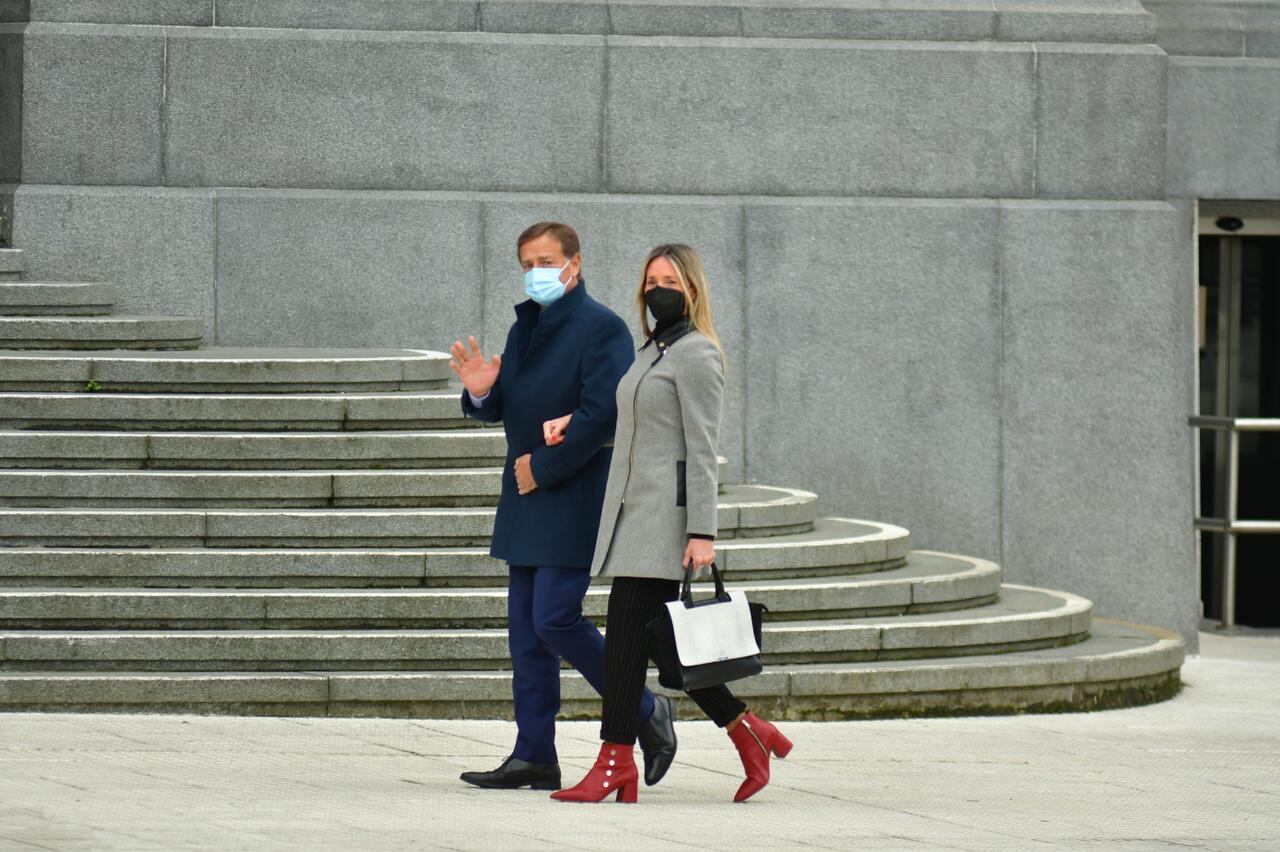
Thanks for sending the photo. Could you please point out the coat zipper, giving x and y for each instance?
(635, 401)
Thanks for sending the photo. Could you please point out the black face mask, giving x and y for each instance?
(666, 304)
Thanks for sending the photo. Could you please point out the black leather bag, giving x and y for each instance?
(710, 645)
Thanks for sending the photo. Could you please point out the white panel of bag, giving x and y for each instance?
(714, 631)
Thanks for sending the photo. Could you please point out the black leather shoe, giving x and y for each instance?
(517, 773)
(658, 739)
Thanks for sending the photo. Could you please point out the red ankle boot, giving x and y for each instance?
(755, 739)
(614, 771)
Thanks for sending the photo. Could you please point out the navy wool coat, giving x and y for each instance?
(565, 358)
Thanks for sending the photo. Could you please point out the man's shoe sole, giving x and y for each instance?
(533, 785)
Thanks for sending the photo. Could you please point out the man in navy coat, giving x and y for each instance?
(564, 354)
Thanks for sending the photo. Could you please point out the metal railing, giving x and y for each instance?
(1229, 525)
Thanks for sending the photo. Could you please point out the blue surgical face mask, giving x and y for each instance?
(543, 284)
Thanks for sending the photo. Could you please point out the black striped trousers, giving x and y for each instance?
(633, 602)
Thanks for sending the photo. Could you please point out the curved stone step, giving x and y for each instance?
(1120, 665)
(66, 298)
(745, 510)
(264, 452)
(225, 369)
(98, 332)
(1022, 619)
(11, 264)
(257, 488)
(752, 511)
(835, 546)
(201, 412)
(475, 486)
(930, 582)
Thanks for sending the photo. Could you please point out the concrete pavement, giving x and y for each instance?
(1200, 772)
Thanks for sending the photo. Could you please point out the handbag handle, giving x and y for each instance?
(686, 589)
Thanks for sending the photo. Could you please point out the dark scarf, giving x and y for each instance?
(665, 334)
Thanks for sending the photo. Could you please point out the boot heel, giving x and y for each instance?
(628, 794)
(781, 746)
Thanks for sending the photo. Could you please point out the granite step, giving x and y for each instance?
(1023, 618)
(744, 511)
(835, 546)
(225, 369)
(928, 583)
(234, 412)
(440, 487)
(97, 332)
(436, 487)
(265, 452)
(65, 298)
(11, 264)
(1119, 665)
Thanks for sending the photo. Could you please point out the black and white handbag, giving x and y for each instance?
(707, 642)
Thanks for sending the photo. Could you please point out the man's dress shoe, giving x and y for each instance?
(517, 773)
(658, 739)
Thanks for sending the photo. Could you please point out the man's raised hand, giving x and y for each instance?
(478, 375)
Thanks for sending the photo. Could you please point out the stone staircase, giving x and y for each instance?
(297, 531)
(60, 315)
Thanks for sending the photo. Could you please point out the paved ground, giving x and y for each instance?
(1199, 772)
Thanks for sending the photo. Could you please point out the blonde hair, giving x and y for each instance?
(697, 295)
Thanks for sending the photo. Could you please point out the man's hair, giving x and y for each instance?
(567, 236)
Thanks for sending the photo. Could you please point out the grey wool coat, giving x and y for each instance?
(663, 478)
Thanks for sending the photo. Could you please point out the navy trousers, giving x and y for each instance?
(545, 624)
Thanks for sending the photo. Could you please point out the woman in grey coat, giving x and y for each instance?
(659, 518)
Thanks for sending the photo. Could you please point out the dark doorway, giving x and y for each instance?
(1240, 377)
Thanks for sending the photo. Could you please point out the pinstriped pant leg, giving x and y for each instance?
(633, 602)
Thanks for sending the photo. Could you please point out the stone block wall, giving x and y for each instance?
(1224, 96)
(953, 293)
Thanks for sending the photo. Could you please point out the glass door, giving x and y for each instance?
(1239, 339)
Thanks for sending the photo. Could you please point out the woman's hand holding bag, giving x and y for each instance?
(699, 553)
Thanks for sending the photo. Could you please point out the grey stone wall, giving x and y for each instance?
(1224, 139)
(361, 110)
(1238, 28)
(951, 290)
(1224, 95)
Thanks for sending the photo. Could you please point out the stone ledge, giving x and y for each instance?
(976, 20)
